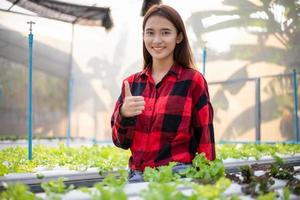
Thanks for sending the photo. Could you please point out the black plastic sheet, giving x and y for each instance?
(67, 12)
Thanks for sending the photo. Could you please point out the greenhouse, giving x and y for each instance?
(149, 99)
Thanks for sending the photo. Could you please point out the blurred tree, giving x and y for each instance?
(270, 18)
(278, 18)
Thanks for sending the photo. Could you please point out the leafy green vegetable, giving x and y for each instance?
(269, 196)
(286, 193)
(116, 180)
(15, 159)
(263, 182)
(3, 169)
(246, 151)
(56, 186)
(109, 158)
(280, 172)
(211, 192)
(205, 171)
(247, 173)
(17, 191)
(160, 174)
(278, 160)
(163, 191)
(110, 188)
(40, 175)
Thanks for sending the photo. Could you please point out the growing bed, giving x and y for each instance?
(241, 172)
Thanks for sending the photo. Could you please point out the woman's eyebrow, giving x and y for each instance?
(162, 29)
(165, 29)
(149, 29)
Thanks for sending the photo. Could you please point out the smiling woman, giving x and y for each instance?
(164, 112)
(160, 39)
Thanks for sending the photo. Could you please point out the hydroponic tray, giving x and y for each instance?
(90, 176)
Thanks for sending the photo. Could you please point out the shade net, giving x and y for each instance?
(51, 66)
(67, 12)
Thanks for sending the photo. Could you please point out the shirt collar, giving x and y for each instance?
(145, 72)
(175, 70)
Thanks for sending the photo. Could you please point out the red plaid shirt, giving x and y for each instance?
(176, 123)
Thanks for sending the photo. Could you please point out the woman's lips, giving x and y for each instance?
(158, 48)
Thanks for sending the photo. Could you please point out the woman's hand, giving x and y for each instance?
(132, 105)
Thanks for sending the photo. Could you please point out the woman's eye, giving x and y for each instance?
(149, 33)
(165, 33)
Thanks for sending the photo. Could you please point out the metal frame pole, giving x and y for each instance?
(70, 93)
(1, 93)
(30, 41)
(296, 104)
(69, 110)
(257, 111)
(204, 59)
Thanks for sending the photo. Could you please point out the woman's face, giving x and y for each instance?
(160, 38)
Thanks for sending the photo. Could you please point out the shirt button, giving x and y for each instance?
(131, 122)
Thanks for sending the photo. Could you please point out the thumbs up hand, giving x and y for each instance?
(127, 89)
(132, 105)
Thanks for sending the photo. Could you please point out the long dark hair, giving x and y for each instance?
(182, 52)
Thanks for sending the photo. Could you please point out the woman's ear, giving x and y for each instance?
(179, 38)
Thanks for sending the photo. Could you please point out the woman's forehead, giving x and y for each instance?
(158, 22)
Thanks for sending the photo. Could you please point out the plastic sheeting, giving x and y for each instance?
(67, 12)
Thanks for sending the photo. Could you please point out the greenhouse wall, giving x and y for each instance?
(95, 62)
(237, 100)
(51, 63)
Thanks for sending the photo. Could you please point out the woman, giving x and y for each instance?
(164, 113)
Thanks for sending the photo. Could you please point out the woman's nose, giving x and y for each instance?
(157, 39)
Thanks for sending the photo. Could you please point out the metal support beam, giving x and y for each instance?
(257, 111)
(296, 105)
(30, 41)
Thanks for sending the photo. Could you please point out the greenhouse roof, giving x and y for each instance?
(90, 15)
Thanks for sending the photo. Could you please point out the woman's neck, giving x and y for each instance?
(161, 67)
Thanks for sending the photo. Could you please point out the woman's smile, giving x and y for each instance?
(158, 49)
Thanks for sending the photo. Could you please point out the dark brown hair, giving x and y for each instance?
(182, 52)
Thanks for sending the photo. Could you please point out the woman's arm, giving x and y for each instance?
(122, 127)
(123, 118)
(202, 119)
